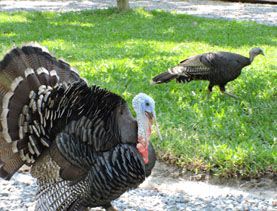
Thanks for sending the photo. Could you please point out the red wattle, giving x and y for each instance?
(143, 150)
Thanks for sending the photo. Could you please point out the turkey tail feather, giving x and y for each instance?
(24, 72)
(164, 77)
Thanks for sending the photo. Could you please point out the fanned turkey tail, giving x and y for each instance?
(23, 72)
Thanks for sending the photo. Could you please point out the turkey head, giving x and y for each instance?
(138, 130)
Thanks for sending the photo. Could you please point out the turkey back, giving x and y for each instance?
(23, 71)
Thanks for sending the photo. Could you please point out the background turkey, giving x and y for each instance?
(83, 144)
(218, 68)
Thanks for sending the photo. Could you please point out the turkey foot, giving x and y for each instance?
(230, 95)
(222, 89)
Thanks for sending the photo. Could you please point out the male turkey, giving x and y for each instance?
(83, 145)
(218, 68)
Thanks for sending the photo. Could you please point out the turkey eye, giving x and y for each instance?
(147, 104)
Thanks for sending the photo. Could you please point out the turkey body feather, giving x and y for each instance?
(80, 141)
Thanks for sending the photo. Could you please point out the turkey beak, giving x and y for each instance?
(152, 117)
(262, 53)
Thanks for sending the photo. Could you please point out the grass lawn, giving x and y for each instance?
(122, 52)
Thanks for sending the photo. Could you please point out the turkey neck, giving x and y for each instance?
(251, 57)
(144, 128)
(144, 132)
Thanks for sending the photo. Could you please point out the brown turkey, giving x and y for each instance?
(83, 145)
(218, 68)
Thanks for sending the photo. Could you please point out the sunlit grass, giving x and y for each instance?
(123, 51)
(12, 18)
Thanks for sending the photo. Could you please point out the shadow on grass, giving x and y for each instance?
(90, 29)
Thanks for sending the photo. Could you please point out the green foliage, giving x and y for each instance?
(123, 51)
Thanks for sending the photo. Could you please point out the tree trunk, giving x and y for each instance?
(123, 4)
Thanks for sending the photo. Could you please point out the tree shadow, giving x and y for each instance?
(89, 30)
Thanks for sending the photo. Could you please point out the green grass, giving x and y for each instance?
(123, 51)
